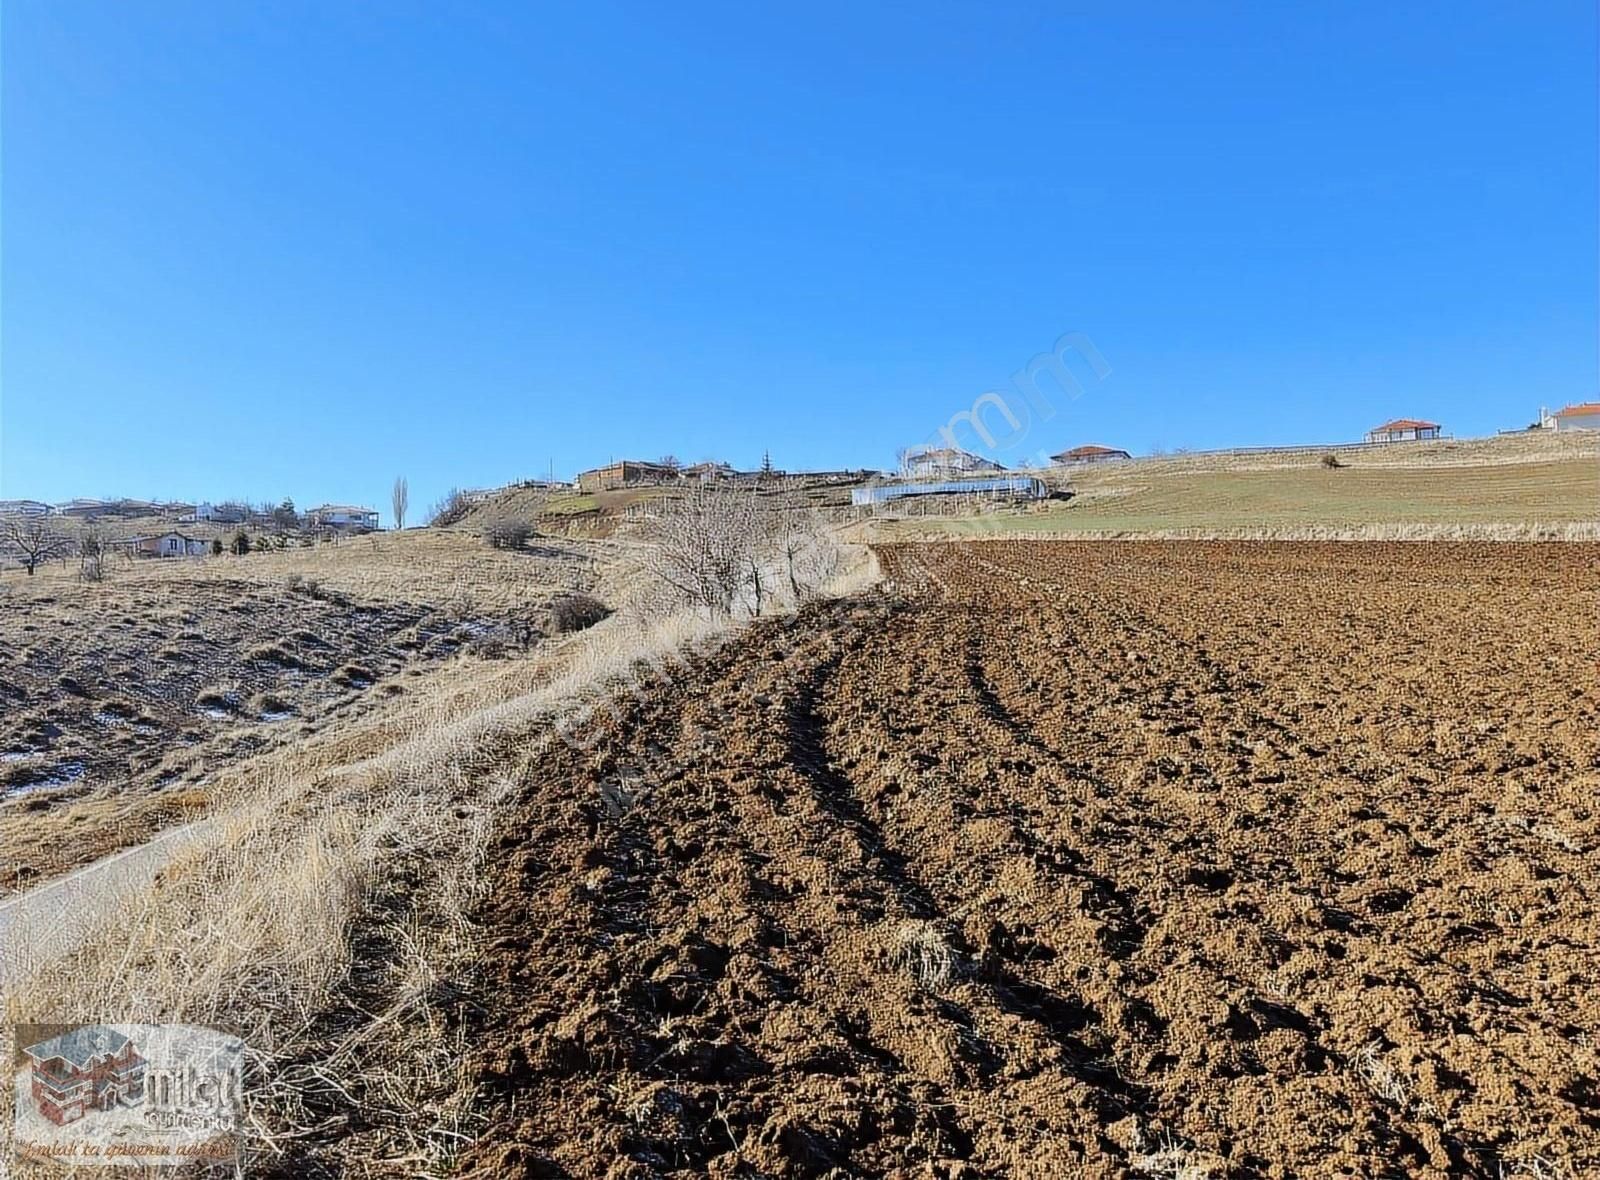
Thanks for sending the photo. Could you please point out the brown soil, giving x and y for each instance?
(1077, 860)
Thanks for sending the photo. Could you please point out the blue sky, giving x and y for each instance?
(298, 249)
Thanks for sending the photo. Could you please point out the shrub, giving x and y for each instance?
(576, 612)
(241, 543)
(452, 509)
(91, 558)
(1331, 461)
(508, 532)
(216, 547)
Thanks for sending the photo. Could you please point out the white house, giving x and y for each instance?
(1583, 416)
(1404, 430)
(342, 516)
(935, 462)
(219, 513)
(172, 544)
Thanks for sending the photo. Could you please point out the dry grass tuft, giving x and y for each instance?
(1168, 1158)
(1380, 1077)
(922, 950)
(1535, 1167)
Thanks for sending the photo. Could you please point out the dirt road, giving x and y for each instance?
(1077, 860)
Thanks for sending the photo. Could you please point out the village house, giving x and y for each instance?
(216, 513)
(1403, 430)
(941, 462)
(25, 508)
(173, 544)
(708, 472)
(91, 1068)
(1091, 453)
(625, 473)
(343, 516)
(1583, 416)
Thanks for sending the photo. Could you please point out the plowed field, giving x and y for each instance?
(1077, 860)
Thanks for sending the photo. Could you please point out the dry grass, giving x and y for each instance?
(1515, 488)
(319, 912)
(1496, 450)
(922, 950)
(1168, 1158)
(416, 567)
(1380, 1077)
(170, 673)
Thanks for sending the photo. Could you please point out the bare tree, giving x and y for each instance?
(399, 501)
(701, 545)
(671, 461)
(33, 540)
(718, 550)
(809, 552)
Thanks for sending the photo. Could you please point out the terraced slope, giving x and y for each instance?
(1076, 860)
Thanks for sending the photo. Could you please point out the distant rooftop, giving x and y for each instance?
(80, 1046)
(1407, 424)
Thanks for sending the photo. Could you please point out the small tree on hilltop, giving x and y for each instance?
(399, 501)
(241, 543)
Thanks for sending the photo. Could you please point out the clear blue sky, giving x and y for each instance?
(296, 249)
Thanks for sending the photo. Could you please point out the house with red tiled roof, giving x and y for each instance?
(1403, 430)
(1582, 416)
(90, 1068)
(1092, 453)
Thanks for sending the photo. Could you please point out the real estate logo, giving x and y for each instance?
(120, 1094)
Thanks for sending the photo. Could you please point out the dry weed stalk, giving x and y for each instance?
(1168, 1158)
(922, 950)
(1380, 1077)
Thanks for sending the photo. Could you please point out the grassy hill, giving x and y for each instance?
(1516, 480)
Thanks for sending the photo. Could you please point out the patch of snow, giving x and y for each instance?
(64, 775)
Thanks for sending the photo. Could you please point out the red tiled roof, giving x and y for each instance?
(1406, 424)
(1582, 409)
